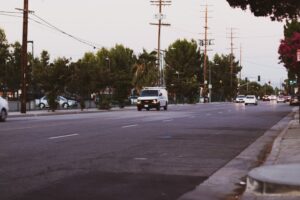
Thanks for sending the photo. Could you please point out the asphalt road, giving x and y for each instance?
(122, 155)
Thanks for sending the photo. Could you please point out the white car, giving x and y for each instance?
(62, 101)
(3, 109)
(240, 99)
(251, 99)
(133, 100)
(280, 99)
(273, 97)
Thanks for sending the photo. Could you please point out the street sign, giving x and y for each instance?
(298, 55)
(160, 16)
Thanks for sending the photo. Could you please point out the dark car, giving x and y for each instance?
(294, 101)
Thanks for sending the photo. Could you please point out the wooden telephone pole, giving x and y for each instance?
(160, 17)
(24, 59)
(206, 42)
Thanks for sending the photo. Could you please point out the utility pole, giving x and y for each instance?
(24, 57)
(231, 57)
(206, 42)
(240, 74)
(205, 54)
(160, 17)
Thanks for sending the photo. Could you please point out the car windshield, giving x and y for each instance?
(148, 93)
(241, 96)
(250, 97)
(62, 98)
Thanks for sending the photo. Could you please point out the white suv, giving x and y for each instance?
(3, 109)
(153, 97)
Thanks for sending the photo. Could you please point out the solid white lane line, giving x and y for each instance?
(63, 136)
(168, 120)
(128, 126)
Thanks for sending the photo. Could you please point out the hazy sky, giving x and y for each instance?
(110, 22)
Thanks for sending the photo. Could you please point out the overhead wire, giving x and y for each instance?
(86, 42)
(47, 24)
(10, 14)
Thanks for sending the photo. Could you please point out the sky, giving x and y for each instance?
(106, 23)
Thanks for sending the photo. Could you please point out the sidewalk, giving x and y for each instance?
(280, 173)
(229, 182)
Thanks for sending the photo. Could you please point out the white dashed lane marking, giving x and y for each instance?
(129, 126)
(63, 136)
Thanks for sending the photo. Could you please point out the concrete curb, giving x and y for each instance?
(273, 178)
(283, 180)
(63, 112)
(229, 181)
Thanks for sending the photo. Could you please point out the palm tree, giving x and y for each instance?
(145, 72)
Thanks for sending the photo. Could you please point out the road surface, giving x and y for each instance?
(147, 155)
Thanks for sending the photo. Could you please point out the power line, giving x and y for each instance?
(47, 24)
(10, 15)
(65, 33)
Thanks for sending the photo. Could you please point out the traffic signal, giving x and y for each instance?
(292, 82)
(246, 79)
(258, 78)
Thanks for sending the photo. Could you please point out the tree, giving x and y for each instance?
(275, 9)
(182, 73)
(80, 81)
(4, 58)
(145, 72)
(288, 53)
(121, 63)
(52, 78)
(222, 78)
(290, 29)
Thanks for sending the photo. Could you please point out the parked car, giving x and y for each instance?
(251, 99)
(133, 100)
(3, 109)
(294, 101)
(62, 101)
(153, 97)
(240, 99)
(280, 99)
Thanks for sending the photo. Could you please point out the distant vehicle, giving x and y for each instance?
(251, 99)
(153, 97)
(272, 97)
(240, 99)
(280, 99)
(133, 100)
(294, 101)
(62, 101)
(3, 109)
(266, 98)
(287, 98)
